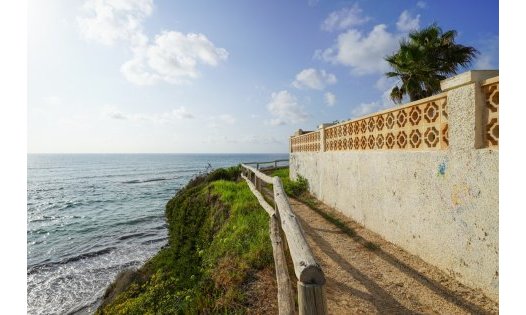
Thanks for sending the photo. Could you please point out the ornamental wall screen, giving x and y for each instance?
(422, 126)
(309, 142)
(490, 91)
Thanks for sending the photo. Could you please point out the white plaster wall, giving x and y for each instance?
(439, 205)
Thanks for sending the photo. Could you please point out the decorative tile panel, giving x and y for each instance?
(422, 126)
(491, 115)
(309, 142)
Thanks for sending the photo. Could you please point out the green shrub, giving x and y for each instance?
(294, 188)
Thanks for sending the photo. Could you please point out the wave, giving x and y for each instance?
(92, 254)
(128, 236)
(158, 179)
(161, 227)
(155, 240)
(148, 218)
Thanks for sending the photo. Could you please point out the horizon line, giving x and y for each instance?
(157, 153)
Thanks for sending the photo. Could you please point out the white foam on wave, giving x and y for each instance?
(63, 289)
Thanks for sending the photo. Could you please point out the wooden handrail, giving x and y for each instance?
(263, 162)
(275, 162)
(305, 266)
(267, 179)
(311, 280)
(259, 196)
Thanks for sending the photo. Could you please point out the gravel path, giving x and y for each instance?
(385, 280)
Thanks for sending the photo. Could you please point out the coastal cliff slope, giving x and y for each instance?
(218, 258)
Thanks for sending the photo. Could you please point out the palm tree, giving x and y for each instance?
(428, 57)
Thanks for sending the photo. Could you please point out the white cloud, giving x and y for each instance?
(248, 139)
(383, 103)
(114, 20)
(484, 62)
(421, 4)
(162, 118)
(137, 72)
(175, 55)
(364, 109)
(363, 53)
(489, 54)
(344, 18)
(227, 119)
(221, 120)
(115, 114)
(174, 58)
(52, 100)
(313, 79)
(383, 83)
(330, 99)
(285, 109)
(182, 113)
(261, 139)
(407, 23)
(368, 108)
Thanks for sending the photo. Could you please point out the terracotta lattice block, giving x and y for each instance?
(309, 142)
(390, 140)
(491, 114)
(431, 137)
(380, 141)
(380, 123)
(415, 138)
(401, 139)
(371, 142)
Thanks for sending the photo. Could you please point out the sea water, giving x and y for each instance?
(90, 216)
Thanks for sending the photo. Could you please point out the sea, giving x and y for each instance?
(90, 216)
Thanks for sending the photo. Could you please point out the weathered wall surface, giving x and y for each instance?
(441, 205)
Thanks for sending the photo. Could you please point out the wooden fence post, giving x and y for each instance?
(286, 303)
(311, 299)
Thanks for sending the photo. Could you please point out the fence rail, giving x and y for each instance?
(268, 165)
(310, 276)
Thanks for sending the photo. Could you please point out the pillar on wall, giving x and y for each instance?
(321, 128)
(322, 137)
(466, 108)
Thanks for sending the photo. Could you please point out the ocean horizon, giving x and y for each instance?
(92, 215)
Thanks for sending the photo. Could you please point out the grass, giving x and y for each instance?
(218, 238)
(307, 199)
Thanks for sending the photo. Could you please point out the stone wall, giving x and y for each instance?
(433, 189)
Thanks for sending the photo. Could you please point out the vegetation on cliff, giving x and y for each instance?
(218, 240)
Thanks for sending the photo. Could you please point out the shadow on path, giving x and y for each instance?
(403, 267)
(380, 298)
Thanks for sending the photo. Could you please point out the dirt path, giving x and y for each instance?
(385, 280)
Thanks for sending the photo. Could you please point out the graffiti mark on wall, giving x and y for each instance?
(442, 168)
(462, 194)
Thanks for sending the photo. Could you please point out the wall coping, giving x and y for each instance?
(467, 78)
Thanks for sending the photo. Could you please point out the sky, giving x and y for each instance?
(145, 76)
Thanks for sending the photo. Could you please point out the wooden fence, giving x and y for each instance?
(269, 165)
(309, 275)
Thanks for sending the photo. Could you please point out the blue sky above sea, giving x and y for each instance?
(207, 76)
